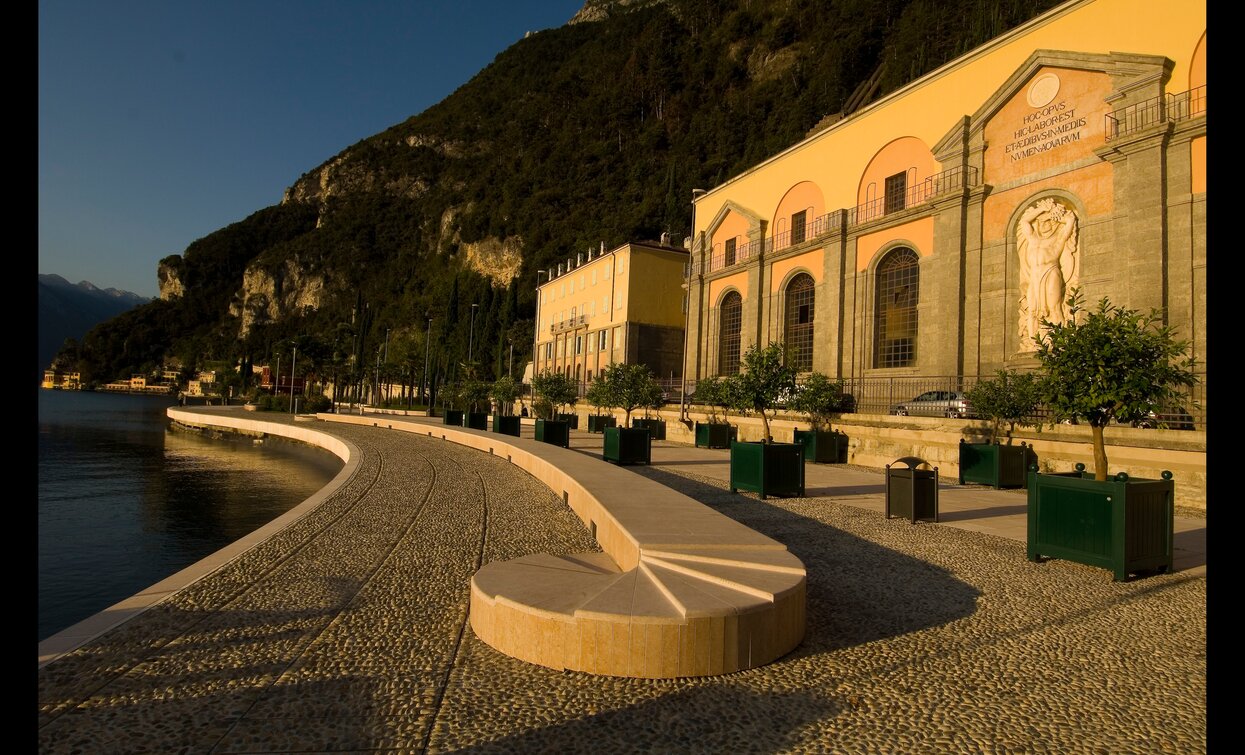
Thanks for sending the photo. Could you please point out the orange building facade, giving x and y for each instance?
(930, 233)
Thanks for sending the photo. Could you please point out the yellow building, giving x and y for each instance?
(61, 380)
(625, 305)
(928, 234)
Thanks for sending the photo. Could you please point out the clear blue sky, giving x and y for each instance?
(162, 121)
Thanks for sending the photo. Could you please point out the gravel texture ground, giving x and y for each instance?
(348, 632)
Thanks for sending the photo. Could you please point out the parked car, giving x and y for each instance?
(1171, 418)
(936, 404)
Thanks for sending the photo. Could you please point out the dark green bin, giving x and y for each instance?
(453, 417)
(996, 465)
(1121, 524)
(911, 493)
(823, 446)
(628, 445)
(506, 424)
(554, 431)
(656, 427)
(767, 468)
(714, 435)
(476, 420)
(598, 422)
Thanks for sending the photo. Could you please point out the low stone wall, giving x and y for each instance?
(875, 440)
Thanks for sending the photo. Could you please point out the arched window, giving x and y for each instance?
(897, 290)
(799, 323)
(730, 316)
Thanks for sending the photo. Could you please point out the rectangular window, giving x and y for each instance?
(579, 345)
(605, 304)
(549, 350)
(730, 253)
(618, 300)
(604, 339)
(797, 227)
(594, 276)
(606, 274)
(896, 192)
(592, 343)
(616, 339)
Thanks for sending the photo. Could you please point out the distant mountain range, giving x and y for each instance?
(69, 310)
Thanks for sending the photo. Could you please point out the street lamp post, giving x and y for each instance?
(423, 389)
(293, 371)
(471, 335)
(687, 306)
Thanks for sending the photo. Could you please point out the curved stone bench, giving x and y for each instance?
(680, 589)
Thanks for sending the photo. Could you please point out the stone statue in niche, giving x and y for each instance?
(1046, 242)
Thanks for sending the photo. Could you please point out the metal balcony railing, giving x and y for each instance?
(813, 229)
(1163, 109)
(953, 179)
(569, 324)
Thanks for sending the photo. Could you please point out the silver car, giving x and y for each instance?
(936, 404)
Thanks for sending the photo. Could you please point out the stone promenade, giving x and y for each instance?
(347, 631)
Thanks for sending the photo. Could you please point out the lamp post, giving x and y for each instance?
(472, 334)
(293, 371)
(276, 386)
(687, 306)
(423, 389)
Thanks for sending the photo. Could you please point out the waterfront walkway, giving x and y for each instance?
(347, 630)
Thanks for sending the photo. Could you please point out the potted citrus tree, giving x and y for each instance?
(556, 391)
(475, 394)
(764, 467)
(451, 398)
(598, 396)
(1010, 397)
(504, 391)
(1108, 363)
(716, 432)
(821, 400)
(627, 387)
(654, 398)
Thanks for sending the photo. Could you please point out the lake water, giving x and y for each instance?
(124, 501)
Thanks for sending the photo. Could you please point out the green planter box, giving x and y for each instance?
(824, 446)
(911, 493)
(1121, 524)
(598, 422)
(767, 468)
(571, 420)
(656, 427)
(628, 445)
(996, 465)
(714, 435)
(453, 417)
(476, 420)
(555, 431)
(506, 425)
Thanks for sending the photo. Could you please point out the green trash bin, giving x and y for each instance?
(911, 493)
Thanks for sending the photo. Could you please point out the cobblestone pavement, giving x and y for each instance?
(347, 632)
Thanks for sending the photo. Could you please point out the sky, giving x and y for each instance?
(163, 121)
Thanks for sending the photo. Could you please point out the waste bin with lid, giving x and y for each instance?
(911, 493)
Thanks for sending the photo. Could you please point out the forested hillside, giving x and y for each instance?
(594, 132)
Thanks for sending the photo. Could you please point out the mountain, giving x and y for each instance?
(68, 310)
(590, 134)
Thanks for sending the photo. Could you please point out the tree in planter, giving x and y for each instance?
(474, 393)
(1010, 397)
(820, 399)
(1110, 364)
(504, 391)
(451, 395)
(710, 394)
(763, 379)
(628, 387)
(556, 389)
(598, 393)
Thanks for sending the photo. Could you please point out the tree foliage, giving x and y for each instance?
(505, 390)
(763, 378)
(556, 389)
(1010, 396)
(821, 399)
(1110, 363)
(627, 387)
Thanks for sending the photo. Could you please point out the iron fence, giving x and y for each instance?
(878, 395)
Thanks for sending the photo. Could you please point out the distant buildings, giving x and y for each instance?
(61, 380)
(625, 305)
